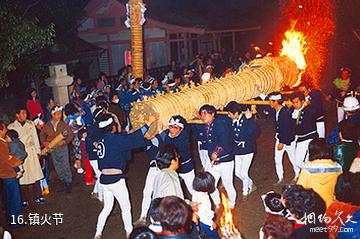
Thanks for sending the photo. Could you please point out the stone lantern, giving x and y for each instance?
(59, 82)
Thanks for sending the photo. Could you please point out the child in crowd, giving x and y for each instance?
(203, 185)
(89, 180)
(16, 148)
(76, 123)
(44, 160)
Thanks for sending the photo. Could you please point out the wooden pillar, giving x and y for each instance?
(186, 52)
(136, 38)
(233, 41)
(214, 42)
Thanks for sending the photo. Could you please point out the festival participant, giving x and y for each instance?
(204, 184)
(304, 117)
(93, 135)
(178, 135)
(244, 132)
(33, 105)
(167, 182)
(76, 123)
(315, 98)
(145, 90)
(115, 108)
(8, 176)
(155, 89)
(320, 173)
(113, 151)
(30, 187)
(198, 131)
(142, 233)
(151, 150)
(342, 86)
(218, 136)
(351, 107)
(60, 153)
(285, 136)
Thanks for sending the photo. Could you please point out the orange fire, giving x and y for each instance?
(227, 226)
(294, 47)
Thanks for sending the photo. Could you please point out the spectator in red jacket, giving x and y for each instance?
(33, 105)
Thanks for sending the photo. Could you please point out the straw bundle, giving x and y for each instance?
(262, 75)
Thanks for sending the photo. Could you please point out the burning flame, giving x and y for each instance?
(228, 229)
(294, 48)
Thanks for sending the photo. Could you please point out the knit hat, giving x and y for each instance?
(272, 203)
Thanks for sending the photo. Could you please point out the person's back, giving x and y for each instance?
(167, 183)
(346, 150)
(17, 149)
(320, 173)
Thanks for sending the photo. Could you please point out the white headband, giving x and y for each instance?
(172, 84)
(275, 97)
(106, 123)
(57, 108)
(175, 122)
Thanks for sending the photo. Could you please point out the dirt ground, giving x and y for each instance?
(80, 212)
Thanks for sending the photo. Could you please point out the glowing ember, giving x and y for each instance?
(228, 229)
(317, 25)
(294, 48)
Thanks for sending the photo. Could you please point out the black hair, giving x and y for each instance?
(99, 99)
(19, 108)
(177, 75)
(276, 93)
(204, 182)
(277, 227)
(347, 188)
(175, 214)
(104, 105)
(70, 109)
(349, 130)
(165, 155)
(180, 118)
(81, 132)
(319, 149)
(142, 233)
(31, 90)
(12, 134)
(51, 99)
(300, 201)
(208, 108)
(233, 107)
(299, 95)
(112, 94)
(146, 85)
(154, 209)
